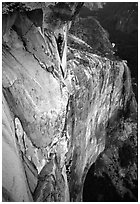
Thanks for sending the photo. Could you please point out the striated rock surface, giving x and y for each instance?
(57, 116)
(95, 36)
(121, 21)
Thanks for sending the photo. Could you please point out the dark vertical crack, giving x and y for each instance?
(60, 44)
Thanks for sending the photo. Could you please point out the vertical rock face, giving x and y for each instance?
(94, 35)
(56, 119)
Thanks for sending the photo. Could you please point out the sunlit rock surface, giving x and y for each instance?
(54, 128)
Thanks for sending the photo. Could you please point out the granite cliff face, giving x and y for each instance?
(61, 108)
(120, 19)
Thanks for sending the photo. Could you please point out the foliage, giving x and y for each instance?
(94, 5)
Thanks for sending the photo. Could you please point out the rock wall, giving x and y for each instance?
(55, 124)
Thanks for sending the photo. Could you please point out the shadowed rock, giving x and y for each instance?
(55, 126)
